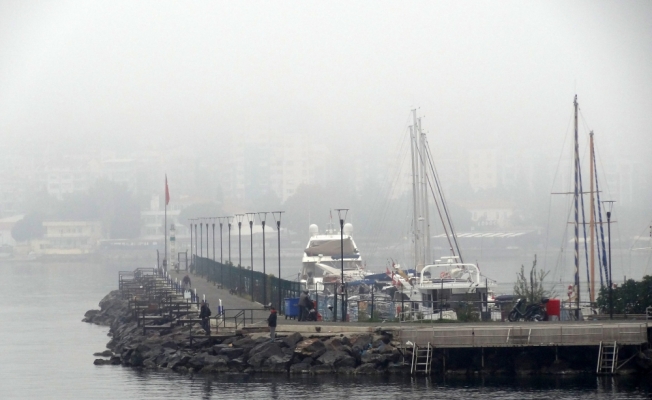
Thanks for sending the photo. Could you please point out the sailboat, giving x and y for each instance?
(447, 281)
(575, 306)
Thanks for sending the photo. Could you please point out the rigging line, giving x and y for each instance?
(597, 243)
(438, 209)
(586, 249)
(545, 257)
(443, 199)
(604, 251)
(437, 202)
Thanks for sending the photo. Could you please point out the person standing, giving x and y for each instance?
(271, 322)
(302, 306)
(204, 314)
(186, 282)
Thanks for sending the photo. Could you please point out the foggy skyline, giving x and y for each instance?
(132, 74)
(201, 78)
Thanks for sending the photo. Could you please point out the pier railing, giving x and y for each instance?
(535, 334)
(247, 283)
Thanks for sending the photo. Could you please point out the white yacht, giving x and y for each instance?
(322, 258)
(442, 286)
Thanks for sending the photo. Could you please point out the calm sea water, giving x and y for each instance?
(46, 352)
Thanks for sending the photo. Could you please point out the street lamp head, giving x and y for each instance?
(608, 205)
(277, 218)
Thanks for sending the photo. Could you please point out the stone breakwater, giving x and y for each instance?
(171, 349)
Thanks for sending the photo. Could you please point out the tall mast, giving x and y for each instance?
(425, 215)
(592, 220)
(576, 196)
(415, 191)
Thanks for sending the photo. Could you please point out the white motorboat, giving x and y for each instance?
(328, 256)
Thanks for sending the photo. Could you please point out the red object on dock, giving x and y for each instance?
(553, 307)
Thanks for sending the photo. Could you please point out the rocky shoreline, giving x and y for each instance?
(171, 349)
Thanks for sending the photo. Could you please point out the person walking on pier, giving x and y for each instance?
(204, 313)
(271, 322)
(186, 282)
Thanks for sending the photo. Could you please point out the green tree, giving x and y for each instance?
(531, 287)
(631, 297)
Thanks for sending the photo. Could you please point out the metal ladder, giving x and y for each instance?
(421, 359)
(607, 358)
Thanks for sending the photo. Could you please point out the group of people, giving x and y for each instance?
(307, 309)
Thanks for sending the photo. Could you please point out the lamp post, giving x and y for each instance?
(196, 240)
(278, 229)
(192, 256)
(251, 217)
(221, 247)
(239, 218)
(263, 217)
(230, 224)
(207, 248)
(201, 238)
(340, 212)
(213, 238)
(609, 206)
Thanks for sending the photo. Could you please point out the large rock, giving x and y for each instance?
(277, 363)
(300, 368)
(367, 369)
(311, 347)
(231, 352)
(336, 358)
(237, 364)
(201, 360)
(177, 360)
(370, 357)
(292, 340)
(263, 351)
(244, 342)
(363, 341)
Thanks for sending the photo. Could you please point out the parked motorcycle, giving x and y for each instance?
(533, 312)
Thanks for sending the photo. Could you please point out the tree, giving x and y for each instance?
(532, 288)
(30, 227)
(631, 297)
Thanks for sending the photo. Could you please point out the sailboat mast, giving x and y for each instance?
(576, 197)
(425, 215)
(592, 220)
(415, 180)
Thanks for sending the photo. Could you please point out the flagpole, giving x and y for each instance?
(166, 223)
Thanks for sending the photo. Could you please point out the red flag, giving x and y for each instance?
(167, 191)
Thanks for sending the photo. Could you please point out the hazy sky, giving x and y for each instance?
(343, 73)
